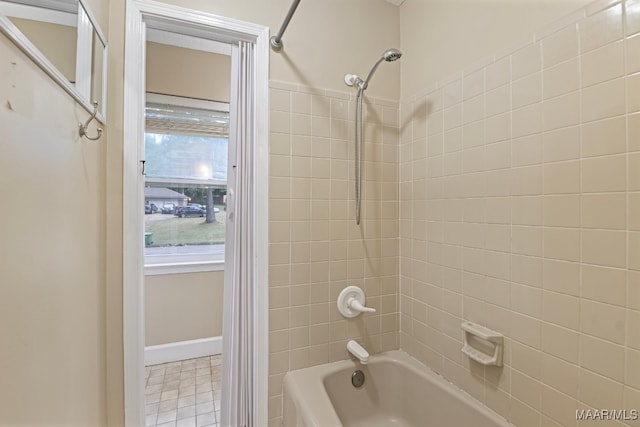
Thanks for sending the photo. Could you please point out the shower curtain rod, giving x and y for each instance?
(276, 41)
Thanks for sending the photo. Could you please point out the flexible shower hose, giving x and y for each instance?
(358, 149)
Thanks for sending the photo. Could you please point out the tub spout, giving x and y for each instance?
(358, 351)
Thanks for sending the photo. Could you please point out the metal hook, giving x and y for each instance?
(83, 127)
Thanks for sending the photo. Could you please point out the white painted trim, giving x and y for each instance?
(261, 194)
(105, 56)
(189, 42)
(62, 5)
(35, 13)
(132, 218)
(181, 101)
(182, 350)
(182, 267)
(187, 181)
(197, 24)
(102, 108)
(84, 54)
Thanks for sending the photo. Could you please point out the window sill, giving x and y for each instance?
(183, 267)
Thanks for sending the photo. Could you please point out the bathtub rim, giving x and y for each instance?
(310, 382)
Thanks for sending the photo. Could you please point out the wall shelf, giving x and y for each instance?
(491, 344)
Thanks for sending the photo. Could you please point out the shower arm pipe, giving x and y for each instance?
(276, 41)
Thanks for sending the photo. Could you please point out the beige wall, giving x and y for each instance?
(325, 40)
(190, 73)
(58, 43)
(519, 198)
(114, 256)
(73, 331)
(52, 255)
(440, 37)
(182, 307)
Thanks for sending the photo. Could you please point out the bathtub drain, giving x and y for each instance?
(357, 378)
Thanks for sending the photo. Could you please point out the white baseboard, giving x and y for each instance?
(182, 350)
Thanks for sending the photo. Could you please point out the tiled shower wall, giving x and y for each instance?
(520, 210)
(316, 248)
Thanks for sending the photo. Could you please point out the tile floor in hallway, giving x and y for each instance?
(184, 393)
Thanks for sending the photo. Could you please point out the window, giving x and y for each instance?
(185, 152)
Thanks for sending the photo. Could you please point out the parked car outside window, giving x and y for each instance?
(150, 208)
(184, 211)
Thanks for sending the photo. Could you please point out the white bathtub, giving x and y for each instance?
(398, 391)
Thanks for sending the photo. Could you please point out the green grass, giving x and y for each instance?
(174, 231)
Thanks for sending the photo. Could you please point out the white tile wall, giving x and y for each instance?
(512, 200)
(316, 249)
(518, 209)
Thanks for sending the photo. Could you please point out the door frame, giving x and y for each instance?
(139, 13)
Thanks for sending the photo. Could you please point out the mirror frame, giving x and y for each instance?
(81, 90)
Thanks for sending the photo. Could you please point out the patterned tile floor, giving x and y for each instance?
(184, 393)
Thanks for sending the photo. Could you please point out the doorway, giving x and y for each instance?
(186, 160)
(143, 18)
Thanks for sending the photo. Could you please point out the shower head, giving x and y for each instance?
(388, 55)
(391, 55)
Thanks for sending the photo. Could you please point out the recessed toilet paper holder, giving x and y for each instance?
(483, 345)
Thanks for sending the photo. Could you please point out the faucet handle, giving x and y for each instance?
(355, 305)
(351, 302)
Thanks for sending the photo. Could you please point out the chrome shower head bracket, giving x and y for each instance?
(354, 80)
(350, 79)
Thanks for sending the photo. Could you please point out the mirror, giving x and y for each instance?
(63, 38)
(98, 68)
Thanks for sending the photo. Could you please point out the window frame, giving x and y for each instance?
(189, 263)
